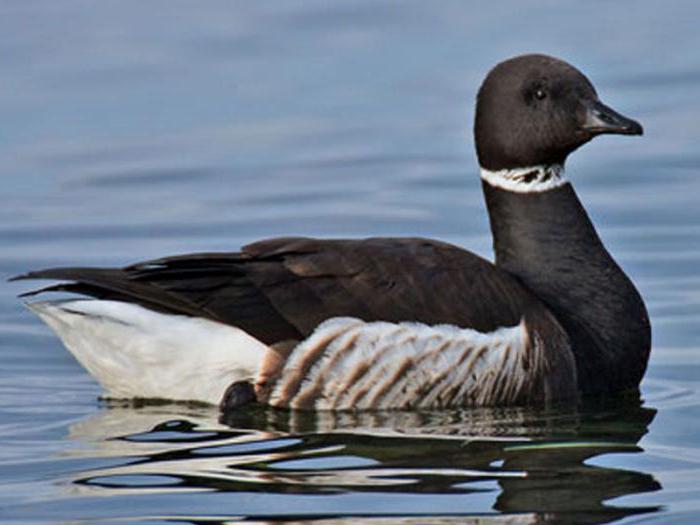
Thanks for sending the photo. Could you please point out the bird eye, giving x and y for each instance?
(540, 94)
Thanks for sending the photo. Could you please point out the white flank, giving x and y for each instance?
(134, 352)
(533, 179)
(350, 364)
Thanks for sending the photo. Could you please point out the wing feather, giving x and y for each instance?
(282, 289)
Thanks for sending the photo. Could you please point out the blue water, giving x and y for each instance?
(132, 130)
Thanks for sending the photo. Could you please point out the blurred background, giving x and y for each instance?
(132, 130)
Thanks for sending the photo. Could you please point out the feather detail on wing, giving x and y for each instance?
(283, 289)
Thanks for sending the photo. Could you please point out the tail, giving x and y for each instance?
(134, 352)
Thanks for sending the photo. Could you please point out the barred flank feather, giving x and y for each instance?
(350, 364)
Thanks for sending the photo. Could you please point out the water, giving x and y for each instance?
(135, 130)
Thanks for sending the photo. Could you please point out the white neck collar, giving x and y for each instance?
(533, 179)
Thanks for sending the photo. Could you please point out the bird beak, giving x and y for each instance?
(601, 119)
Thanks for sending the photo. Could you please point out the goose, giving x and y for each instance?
(389, 323)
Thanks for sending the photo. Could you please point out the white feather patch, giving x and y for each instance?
(533, 179)
(134, 352)
(350, 364)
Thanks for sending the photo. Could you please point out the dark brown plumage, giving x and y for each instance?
(554, 317)
(282, 289)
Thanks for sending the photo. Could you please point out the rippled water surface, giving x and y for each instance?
(132, 130)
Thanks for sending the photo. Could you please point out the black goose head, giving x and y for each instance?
(536, 109)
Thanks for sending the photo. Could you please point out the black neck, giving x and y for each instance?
(547, 240)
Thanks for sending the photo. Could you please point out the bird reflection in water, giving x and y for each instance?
(531, 466)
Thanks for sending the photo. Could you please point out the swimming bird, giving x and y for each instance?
(386, 323)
